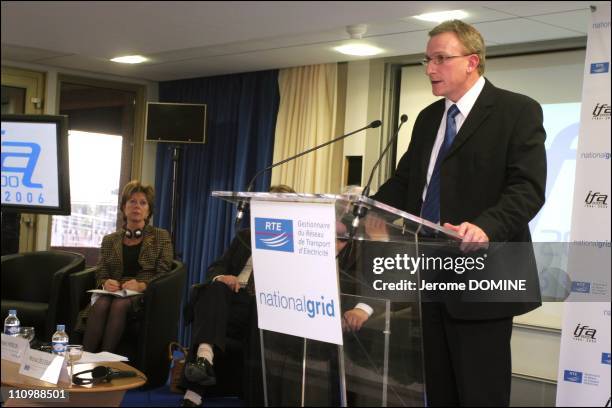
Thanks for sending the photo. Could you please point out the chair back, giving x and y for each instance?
(36, 284)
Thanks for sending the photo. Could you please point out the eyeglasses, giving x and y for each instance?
(440, 59)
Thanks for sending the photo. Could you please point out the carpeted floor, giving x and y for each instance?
(162, 397)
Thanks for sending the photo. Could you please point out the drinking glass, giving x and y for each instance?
(74, 352)
(27, 333)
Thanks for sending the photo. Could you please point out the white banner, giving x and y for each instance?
(584, 362)
(294, 266)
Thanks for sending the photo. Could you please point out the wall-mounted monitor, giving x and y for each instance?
(175, 122)
(35, 171)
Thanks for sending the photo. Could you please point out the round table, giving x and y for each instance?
(103, 394)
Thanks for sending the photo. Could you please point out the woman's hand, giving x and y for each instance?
(133, 284)
(111, 285)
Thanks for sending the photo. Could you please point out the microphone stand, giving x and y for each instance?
(360, 210)
(243, 204)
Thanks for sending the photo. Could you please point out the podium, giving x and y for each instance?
(380, 364)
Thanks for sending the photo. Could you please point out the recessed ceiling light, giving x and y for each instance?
(361, 50)
(130, 59)
(441, 16)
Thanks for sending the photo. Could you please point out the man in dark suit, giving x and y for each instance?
(476, 164)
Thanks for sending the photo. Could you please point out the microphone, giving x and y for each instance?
(359, 210)
(243, 204)
(113, 373)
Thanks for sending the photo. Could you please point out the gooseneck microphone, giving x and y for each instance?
(359, 210)
(243, 204)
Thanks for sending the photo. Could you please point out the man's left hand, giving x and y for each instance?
(353, 319)
(473, 237)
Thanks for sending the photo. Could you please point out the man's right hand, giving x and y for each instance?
(231, 281)
(111, 285)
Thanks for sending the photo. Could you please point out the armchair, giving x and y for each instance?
(147, 335)
(36, 284)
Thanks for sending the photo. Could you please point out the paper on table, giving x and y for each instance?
(101, 357)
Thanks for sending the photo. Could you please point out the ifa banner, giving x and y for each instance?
(584, 361)
(294, 264)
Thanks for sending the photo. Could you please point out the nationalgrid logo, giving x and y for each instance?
(603, 24)
(600, 67)
(312, 308)
(595, 155)
(572, 376)
(581, 287)
(274, 234)
(605, 358)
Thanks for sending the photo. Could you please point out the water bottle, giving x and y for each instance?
(59, 340)
(11, 324)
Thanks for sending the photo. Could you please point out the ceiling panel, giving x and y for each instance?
(577, 21)
(26, 54)
(521, 30)
(536, 8)
(186, 39)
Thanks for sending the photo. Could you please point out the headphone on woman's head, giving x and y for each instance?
(137, 233)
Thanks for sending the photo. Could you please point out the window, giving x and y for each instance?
(94, 192)
(103, 152)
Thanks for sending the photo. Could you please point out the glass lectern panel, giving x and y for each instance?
(381, 363)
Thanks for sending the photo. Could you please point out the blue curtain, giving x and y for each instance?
(241, 119)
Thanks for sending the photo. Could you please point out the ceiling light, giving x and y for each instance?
(361, 50)
(130, 59)
(441, 16)
(358, 48)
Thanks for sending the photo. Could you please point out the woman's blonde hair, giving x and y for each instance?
(135, 186)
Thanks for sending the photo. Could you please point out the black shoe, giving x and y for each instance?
(200, 372)
(189, 403)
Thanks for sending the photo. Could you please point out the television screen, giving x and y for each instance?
(35, 172)
(175, 122)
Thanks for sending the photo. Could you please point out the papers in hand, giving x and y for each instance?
(119, 293)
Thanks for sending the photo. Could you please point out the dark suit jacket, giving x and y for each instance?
(155, 256)
(155, 259)
(233, 260)
(493, 176)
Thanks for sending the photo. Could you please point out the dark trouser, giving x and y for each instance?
(467, 362)
(219, 313)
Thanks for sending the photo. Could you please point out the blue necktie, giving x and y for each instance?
(431, 205)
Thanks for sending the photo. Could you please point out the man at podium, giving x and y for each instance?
(476, 164)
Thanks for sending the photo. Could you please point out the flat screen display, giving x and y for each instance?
(176, 122)
(35, 170)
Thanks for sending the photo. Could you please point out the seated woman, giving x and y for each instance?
(130, 258)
